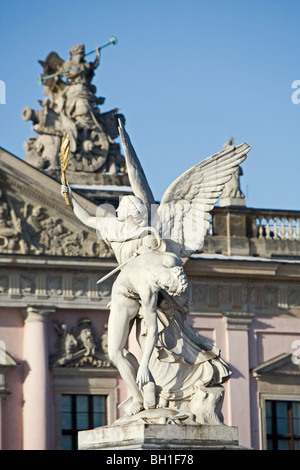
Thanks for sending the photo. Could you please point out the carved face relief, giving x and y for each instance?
(80, 346)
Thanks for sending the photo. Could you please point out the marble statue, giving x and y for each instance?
(179, 368)
(71, 105)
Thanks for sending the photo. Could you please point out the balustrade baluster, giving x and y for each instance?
(297, 229)
(260, 228)
(272, 225)
(290, 230)
(275, 228)
(268, 227)
(282, 228)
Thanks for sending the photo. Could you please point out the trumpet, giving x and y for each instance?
(113, 40)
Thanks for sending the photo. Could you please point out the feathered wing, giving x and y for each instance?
(184, 211)
(52, 63)
(183, 217)
(136, 175)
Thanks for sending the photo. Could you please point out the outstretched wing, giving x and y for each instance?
(184, 213)
(52, 63)
(136, 175)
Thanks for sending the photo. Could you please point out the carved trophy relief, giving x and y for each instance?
(104, 288)
(4, 284)
(224, 294)
(54, 285)
(80, 346)
(260, 297)
(271, 296)
(80, 286)
(293, 296)
(199, 293)
(27, 284)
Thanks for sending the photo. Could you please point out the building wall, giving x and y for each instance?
(11, 333)
(248, 306)
(270, 337)
(245, 340)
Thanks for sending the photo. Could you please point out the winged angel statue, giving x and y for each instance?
(179, 368)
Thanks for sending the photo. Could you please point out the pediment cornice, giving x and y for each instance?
(283, 364)
(34, 218)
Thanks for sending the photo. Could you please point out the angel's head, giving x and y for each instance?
(132, 206)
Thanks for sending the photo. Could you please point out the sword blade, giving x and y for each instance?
(116, 269)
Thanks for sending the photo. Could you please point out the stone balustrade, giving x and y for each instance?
(254, 232)
(278, 225)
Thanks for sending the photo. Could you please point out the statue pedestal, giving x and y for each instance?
(143, 436)
(232, 201)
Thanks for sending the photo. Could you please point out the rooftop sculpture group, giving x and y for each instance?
(71, 105)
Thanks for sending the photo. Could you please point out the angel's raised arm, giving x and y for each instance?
(136, 175)
(82, 214)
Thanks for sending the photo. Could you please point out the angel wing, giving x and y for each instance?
(52, 63)
(183, 216)
(184, 211)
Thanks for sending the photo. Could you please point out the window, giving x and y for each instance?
(283, 425)
(78, 413)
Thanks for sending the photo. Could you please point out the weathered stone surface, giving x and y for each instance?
(159, 436)
(71, 106)
(232, 193)
(34, 220)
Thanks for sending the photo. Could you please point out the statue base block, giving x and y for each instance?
(139, 436)
(232, 201)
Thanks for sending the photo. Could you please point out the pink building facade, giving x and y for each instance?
(55, 376)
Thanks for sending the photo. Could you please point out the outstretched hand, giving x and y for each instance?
(65, 189)
(143, 376)
(67, 194)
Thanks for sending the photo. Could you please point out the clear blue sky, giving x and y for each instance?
(187, 74)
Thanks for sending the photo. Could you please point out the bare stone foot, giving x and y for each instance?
(149, 395)
(163, 403)
(136, 407)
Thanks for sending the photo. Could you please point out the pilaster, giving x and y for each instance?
(237, 341)
(35, 388)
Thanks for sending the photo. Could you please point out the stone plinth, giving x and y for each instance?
(232, 201)
(138, 436)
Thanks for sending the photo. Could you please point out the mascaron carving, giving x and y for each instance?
(80, 346)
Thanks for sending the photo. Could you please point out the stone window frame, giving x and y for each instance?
(7, 363)
(84, 381)
(265, 396)
(277, 379)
